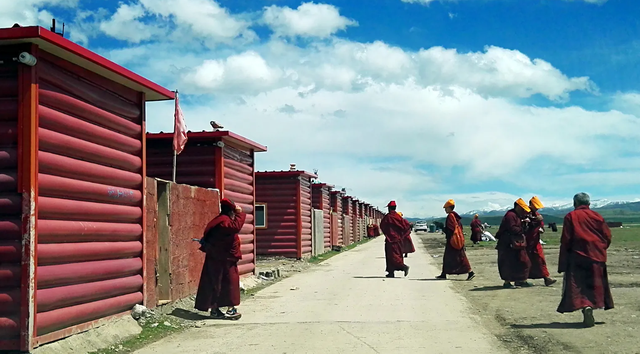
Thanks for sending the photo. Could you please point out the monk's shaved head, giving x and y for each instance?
(581, 199)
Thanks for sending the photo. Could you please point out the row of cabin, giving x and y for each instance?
(74, 161)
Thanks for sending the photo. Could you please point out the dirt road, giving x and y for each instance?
(346, 305)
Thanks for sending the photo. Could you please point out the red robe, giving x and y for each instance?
(476, 230)
(407, 243)
(394, 228)
(220, 281)
(583, 259)
(513, 264)
(454, 261)
(538, 268)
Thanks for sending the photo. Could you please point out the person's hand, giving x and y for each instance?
(539, 217)
(238, 209)
(526, 220)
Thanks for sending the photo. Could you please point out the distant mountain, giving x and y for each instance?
(563, 209)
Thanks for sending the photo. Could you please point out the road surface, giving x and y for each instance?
(346, 305)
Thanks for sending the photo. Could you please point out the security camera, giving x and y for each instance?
(220, 144)
(27, 59)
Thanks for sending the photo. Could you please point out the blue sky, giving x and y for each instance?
(483, 101)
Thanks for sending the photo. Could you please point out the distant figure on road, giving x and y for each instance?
(583, 260)
(513, 260)
(538, 268)
(454, 261)
(220, 281)
(394, 228)
(476, 229)
(407, 243)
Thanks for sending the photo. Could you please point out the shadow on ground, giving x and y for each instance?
(553, 325)
(188, 315)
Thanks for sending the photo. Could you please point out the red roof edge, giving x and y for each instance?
(320, 185)
(37, 32)
(225, 135)
(285, 174)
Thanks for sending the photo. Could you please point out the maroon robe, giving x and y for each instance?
(454, 261)
(407, 244)
(538, 268)
(220, 281)
(513, 264)
(476, 230)
(394, 228)
(583, 257)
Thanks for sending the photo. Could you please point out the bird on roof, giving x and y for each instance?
(215, 125)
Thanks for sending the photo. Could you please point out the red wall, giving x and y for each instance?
(321, 195)
(191, 209)
(10, 209)
(347, 209)
(336, 205)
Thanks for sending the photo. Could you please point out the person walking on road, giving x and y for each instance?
(583, 260)
(220, 281)
(476, 230)
(394, 227)
(535, 228)
(454, 261)
(513, 260)
(407, 242)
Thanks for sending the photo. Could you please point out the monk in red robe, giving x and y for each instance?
(454, 261)
(394, 228)
(407, 243)
(535, 227)
(220, 281)
(476, 230)
(513, 260)
(583, 260)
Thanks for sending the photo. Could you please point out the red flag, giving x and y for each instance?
(179, 129)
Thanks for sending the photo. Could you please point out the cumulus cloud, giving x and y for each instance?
(124, 24)
(628, 102)
(308, 20)
(30, 13)
(427, 2)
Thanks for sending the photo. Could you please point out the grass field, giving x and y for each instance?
(526, 320)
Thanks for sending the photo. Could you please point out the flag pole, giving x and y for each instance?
(175, 155)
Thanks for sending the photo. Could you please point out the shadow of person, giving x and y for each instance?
(188, 315)
(552, 325)
(489, 288)
(372, 277)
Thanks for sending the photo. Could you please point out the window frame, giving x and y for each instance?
(255, 206)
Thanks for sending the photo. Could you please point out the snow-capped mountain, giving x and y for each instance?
(556, 208)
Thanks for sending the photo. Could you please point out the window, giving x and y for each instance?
(261, 216)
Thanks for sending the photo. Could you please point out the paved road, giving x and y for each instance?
(345, 305)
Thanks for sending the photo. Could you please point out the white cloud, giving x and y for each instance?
(29, 12)
(205, 19)
(308, 20)
(125, 24)
(427, 2)
(628, 102)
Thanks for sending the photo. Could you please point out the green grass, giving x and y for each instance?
(323, 257)
(148, 335)
(626, 237)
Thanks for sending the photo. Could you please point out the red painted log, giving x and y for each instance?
(276, 245)
(9, 84)
(246, 268)
(10, 252)
(246, 238)
(89, 112)
(8, 133)
(9, 301)
(239, 187)
(57, 231)
(55, 298)
(61, 187)
(9, 275)
(65, 317)
(64, 209)
(67, 167)
(9, 327)
(240, 177)
(246, 258)
(247, 228)
(238, 166)
(89, 251)
(62, 144)
(239, 197)
(62, 123)
(93, 94)
(8, 109)
(8, 157)
(247, 249)
(201, 181)
(10, 229)
(10, 204)
(285, 252)
(84, 272)
(8, 181)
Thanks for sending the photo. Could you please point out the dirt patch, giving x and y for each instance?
(526, 319)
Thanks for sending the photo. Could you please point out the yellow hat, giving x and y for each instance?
(475, 216)
(524, 205)
(536, 203)
(449, 203)
(400, 213)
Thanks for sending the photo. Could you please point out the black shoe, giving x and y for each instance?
(217, 314)
(588, 320)
(390, 275)
(232, 314)
(471, 276)
(508, 285)
(406, 270)
(524, 284)
(442, 277)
